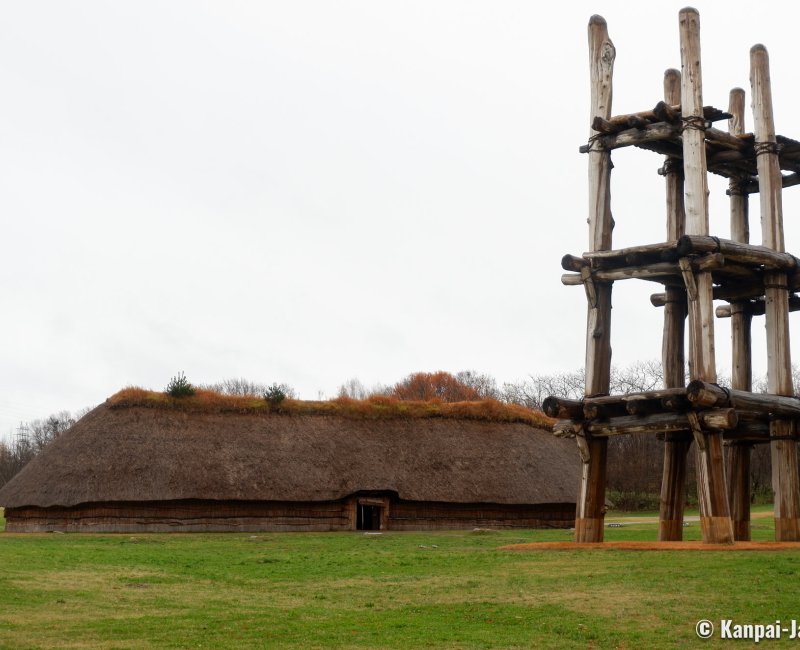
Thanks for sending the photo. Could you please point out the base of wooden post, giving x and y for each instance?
(741, 530)
(785, 481)
(673, 490)
(787, 529)
(670, 530)
(589, 530)
(716, 530)
(738, 462)
(715, 514)
(591, 508)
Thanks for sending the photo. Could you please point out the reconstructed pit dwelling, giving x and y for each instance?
(695, 269)
(165, 466)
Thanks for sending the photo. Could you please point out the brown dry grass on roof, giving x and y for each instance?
(373, 408)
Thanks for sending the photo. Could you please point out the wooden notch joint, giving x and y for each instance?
(776, 281)
(671, 166)
(583, 446)
(565, 429)
(765, 148)
(687, 272)
(589, 287)
(739, 187)
(595, 144)
(701, 393)
(697, 431)
(788, 426)
(697, 122)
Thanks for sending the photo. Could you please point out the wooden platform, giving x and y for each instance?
(677, 413)
(660, 130)
(738, 270)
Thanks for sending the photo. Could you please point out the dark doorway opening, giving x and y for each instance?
(368, 517)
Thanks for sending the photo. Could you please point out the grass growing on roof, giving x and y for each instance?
(395, 590)
(379, 407)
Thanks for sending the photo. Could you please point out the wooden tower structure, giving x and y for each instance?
(695, 269)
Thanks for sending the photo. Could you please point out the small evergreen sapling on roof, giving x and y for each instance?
(179, 386)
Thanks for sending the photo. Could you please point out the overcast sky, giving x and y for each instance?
(306, 192)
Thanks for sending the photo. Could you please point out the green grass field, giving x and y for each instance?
(393, 590)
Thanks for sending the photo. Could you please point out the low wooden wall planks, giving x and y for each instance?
(210, 516)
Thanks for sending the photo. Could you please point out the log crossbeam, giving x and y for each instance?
(740, 417)
(736, 275)
(750, 255)
(732, 156)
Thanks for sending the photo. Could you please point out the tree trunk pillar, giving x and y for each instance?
(715, 519)
(676, 446)
(738, 458)
(783, 447)
(590, 513)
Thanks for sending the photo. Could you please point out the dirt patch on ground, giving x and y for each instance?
(654, 546)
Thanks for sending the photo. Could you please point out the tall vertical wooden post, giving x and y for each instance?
(783, 446)
(594, 451)
(676, 446)
(738, 457)
(715, 520)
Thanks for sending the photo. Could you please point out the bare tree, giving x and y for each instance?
(41, 432)
(354, 389)
(241, 387)
(532, 392)
(483, 384)
(638, 377)
(31, 438)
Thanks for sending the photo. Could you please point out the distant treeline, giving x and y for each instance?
(30, 439)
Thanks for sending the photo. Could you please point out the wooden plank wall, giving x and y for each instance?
(408, 515)
(211, 516)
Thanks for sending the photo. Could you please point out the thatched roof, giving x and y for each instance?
(153, 454)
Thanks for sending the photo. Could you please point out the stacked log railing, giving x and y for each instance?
(695, 269)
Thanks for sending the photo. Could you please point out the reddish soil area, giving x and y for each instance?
(655, 546)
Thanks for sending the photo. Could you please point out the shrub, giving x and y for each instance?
(179, 386)
(274, 395)
(441, 385)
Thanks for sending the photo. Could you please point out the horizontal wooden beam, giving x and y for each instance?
(734, 292)
(574, 263)
(662, 112)
(756, 307)
(702, 393)
(653, 132)
(660, 252)
(665, 272)
(788, 180)
(636, 136)
(736, 252)
(656, 272)
(713, 420)
(562, 408)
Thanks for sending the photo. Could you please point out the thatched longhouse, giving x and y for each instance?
(134, 468)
